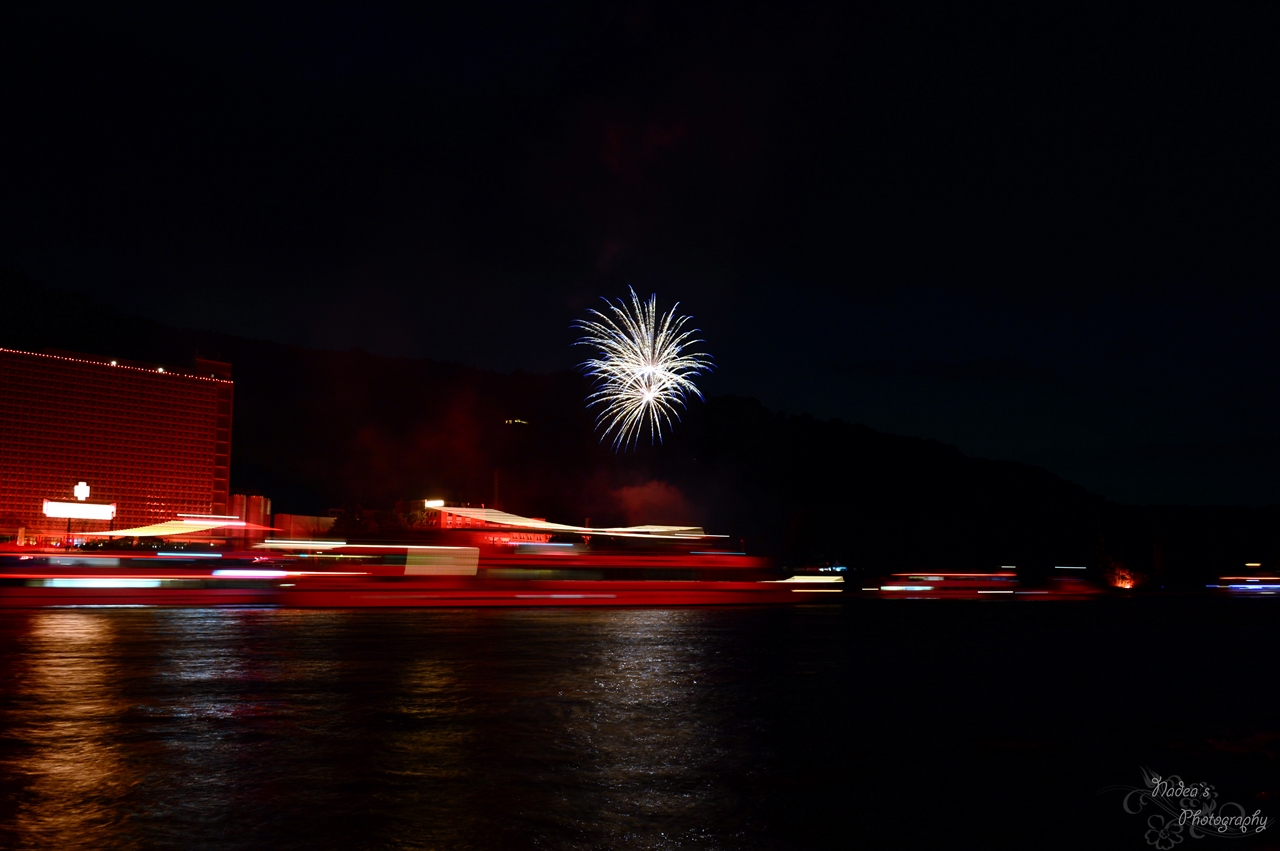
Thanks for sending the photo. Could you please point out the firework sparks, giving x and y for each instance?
(643, 373)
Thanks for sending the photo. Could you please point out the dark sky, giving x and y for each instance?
(1043, 233)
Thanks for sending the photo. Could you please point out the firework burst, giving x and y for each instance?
(644, 371)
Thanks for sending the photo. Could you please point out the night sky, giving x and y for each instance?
(1039, 234)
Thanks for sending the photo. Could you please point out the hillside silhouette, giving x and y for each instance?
(316, 430)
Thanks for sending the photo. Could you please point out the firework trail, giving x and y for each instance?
(643, 371)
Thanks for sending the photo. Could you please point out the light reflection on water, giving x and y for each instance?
(633, 726)
(774, 728)
(151, 728)
(73, 772)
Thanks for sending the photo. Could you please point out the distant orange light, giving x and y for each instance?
(1123, 577)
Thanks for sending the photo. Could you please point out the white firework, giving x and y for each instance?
(643, 372)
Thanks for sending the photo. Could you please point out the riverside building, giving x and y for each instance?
(90, 443)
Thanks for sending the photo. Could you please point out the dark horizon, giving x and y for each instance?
(1037, 235)
(82, 324)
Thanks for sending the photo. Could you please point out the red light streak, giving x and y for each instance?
(105, 575)
(915, 575)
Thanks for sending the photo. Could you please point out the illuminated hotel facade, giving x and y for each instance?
(88, 431)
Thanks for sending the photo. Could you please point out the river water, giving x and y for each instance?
(875, 725)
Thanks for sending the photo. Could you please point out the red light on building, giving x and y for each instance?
(155, 443)
(255, 510)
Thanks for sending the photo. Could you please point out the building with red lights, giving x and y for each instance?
(82, 433)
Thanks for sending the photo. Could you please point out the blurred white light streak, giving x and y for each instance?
(285, 544)
(564, 596)
(250, 574)
(808, 579)
(102, 583)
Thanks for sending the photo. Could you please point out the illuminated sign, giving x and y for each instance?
(514, 538)
(79, 510)
(81, 491)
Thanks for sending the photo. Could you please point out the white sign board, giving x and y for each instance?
(79, 510)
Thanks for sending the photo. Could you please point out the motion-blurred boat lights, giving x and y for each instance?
(234, 573)
(102, 583)
(286, 544)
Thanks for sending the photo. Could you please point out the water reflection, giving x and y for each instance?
(823, 727)
(551, 729)
(150, 728)
(69, 762)
(644, 746)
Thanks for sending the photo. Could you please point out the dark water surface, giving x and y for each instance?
(877, 725)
